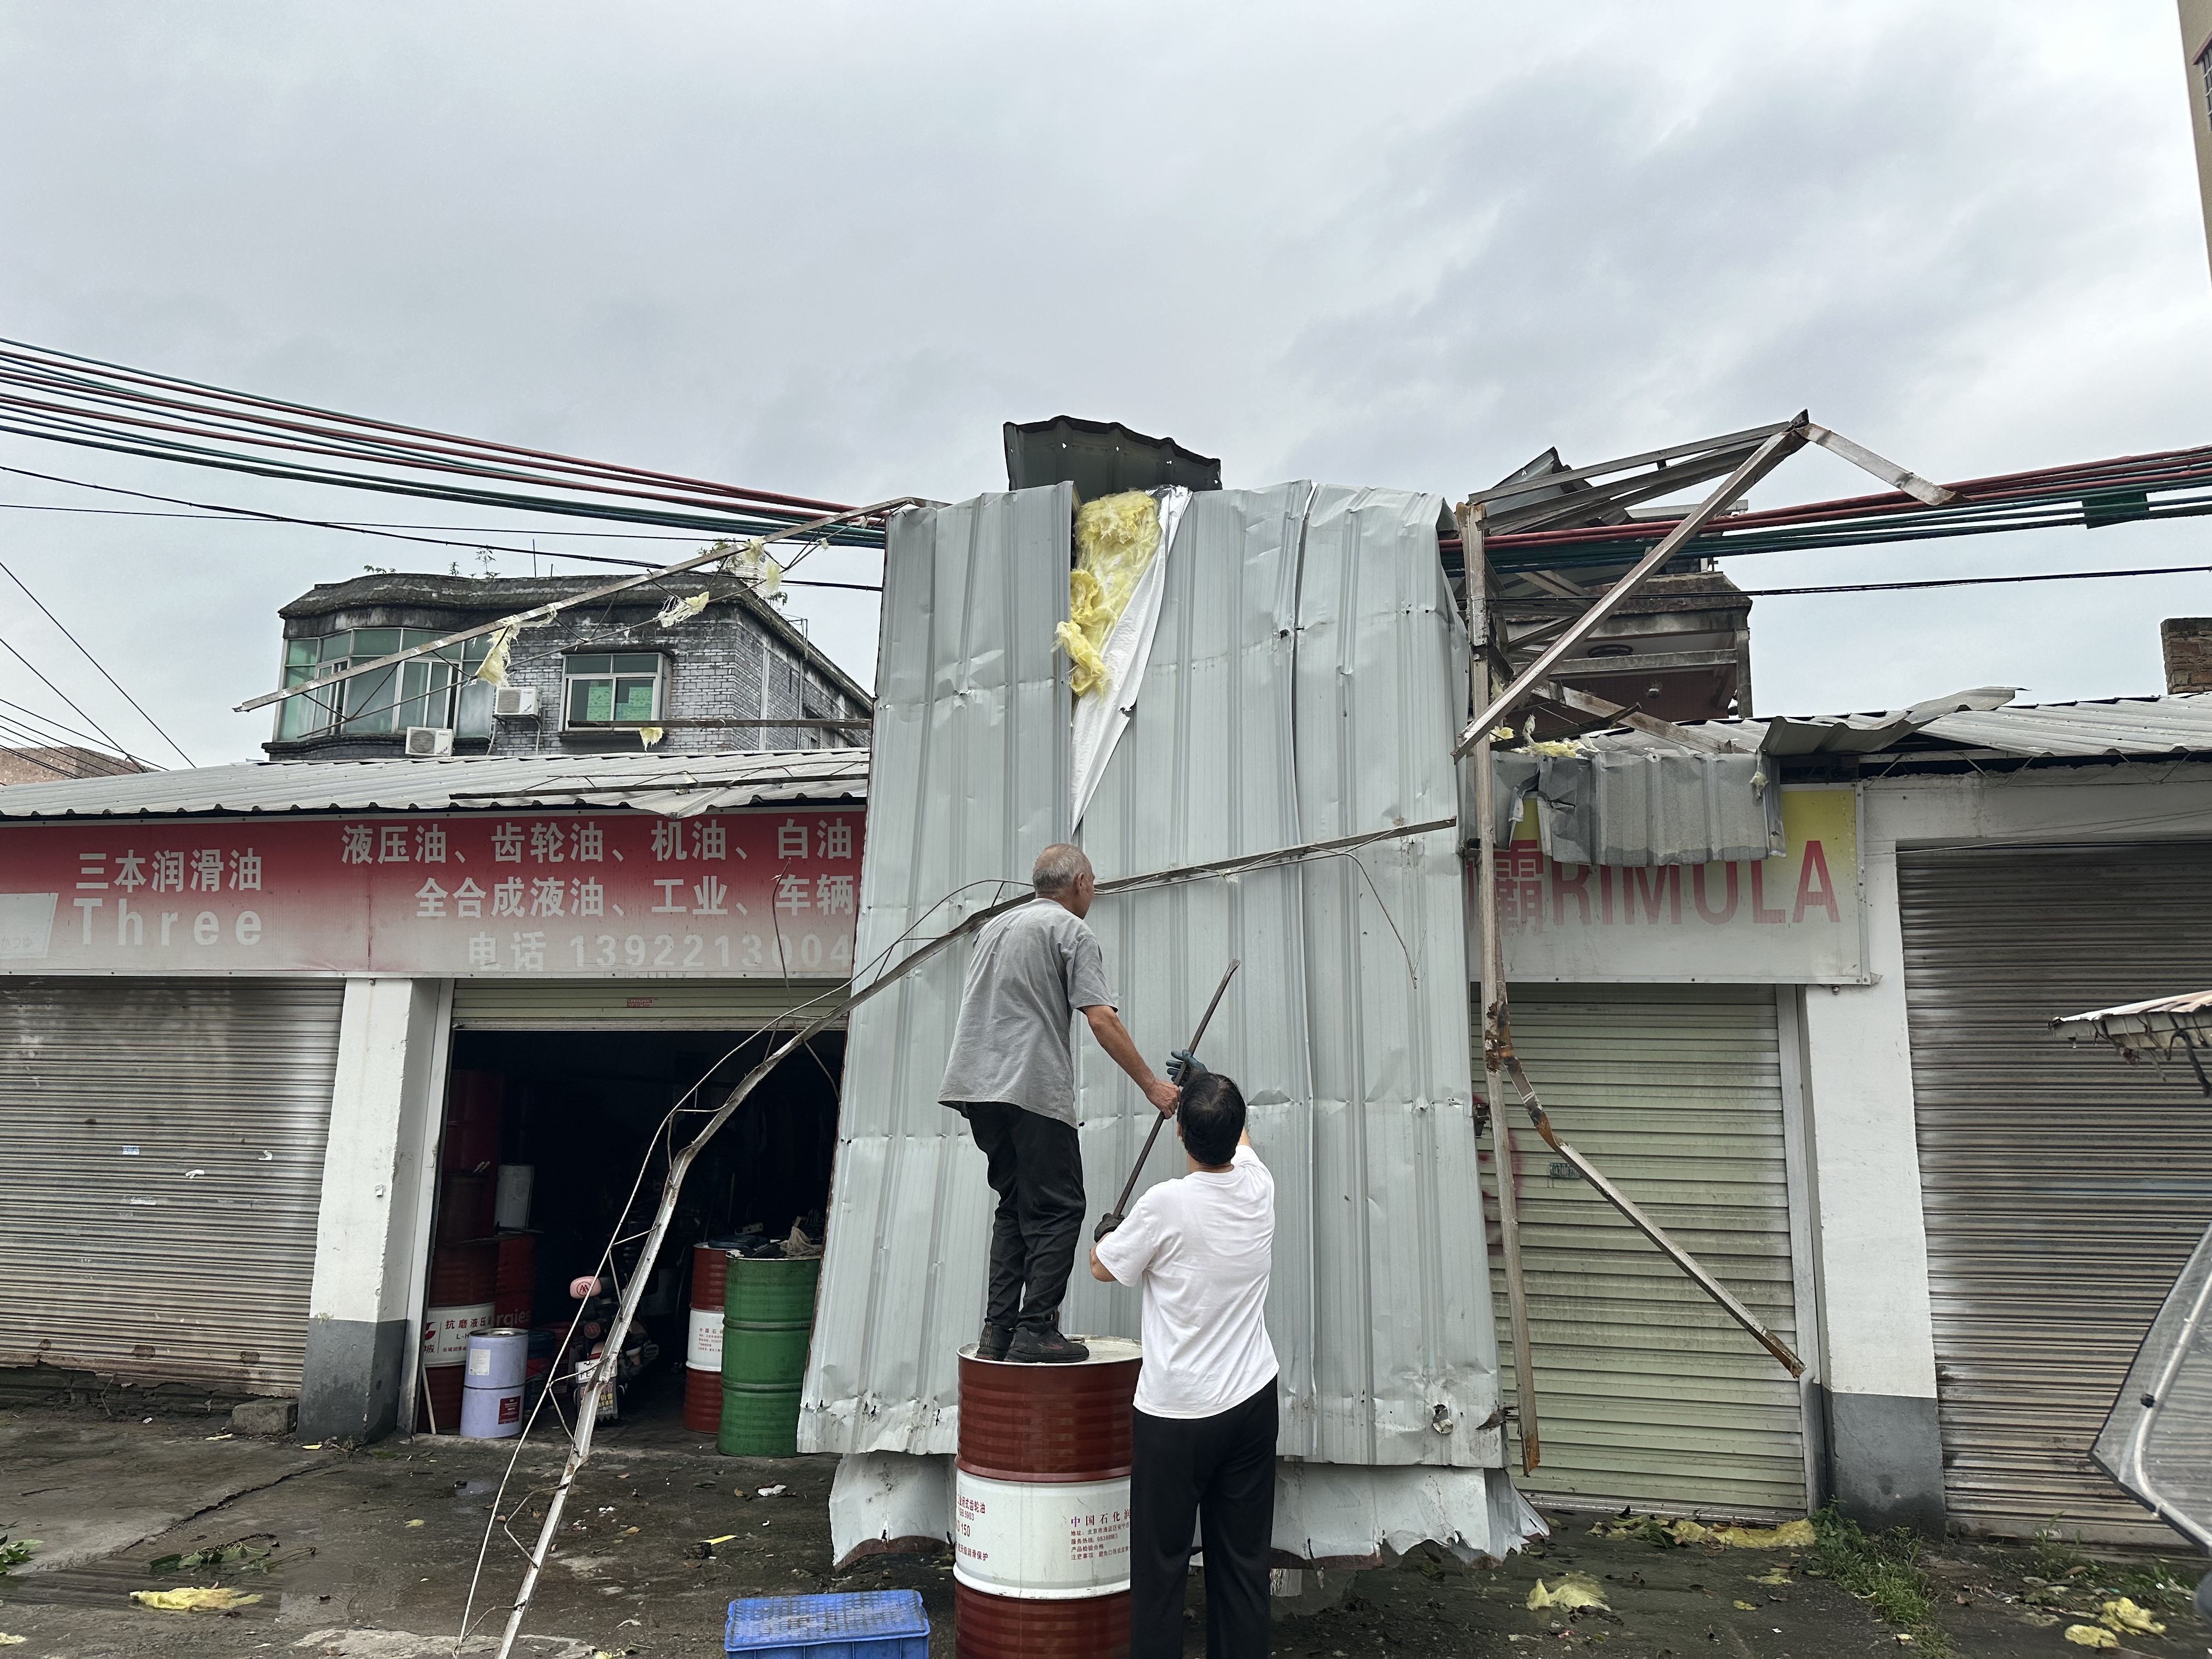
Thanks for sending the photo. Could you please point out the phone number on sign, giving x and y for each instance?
(805, 951)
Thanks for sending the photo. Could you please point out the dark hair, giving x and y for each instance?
(1213, 1114)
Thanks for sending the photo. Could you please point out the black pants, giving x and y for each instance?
(1219, 1470)
(1036, 1170)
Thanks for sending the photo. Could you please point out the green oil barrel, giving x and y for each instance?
(768, 1313)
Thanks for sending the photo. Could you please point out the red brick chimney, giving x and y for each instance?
(2187, 642)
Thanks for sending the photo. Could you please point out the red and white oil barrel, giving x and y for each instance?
(1040, 1488)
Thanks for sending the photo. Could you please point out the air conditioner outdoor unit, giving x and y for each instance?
(425, 741)
(514, 701)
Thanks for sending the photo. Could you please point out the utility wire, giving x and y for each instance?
(218, 513)
(214, 513)
(38, 741)
(106, 736)
(99, 381)
(97, 663)
(69, 733)
(1979, 581)
(45, 732)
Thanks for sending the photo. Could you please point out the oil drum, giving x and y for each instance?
(703, 1337)
(1041, 1539)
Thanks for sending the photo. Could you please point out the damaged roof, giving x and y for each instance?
(1982, 722)
(675, 786)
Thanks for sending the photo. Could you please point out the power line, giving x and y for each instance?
(97, 663)
(69, 734)
(105, 733)
(216, 512)
(76, 381)
(1979, 581)
(31, 757)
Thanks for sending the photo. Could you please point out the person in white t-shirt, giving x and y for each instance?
(1201, 1248)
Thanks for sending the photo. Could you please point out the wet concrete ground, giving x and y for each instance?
(371, 1555)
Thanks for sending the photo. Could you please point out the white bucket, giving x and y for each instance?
(702, 1339)
(490, 1414)
(497, 1358)
(446, 1332)
(1048, 1542)
(511, 1201)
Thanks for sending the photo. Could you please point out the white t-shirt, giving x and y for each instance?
(1201, 1248)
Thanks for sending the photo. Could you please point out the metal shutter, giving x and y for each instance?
(1646, 1392)
(2064, 1190)
(634, 1005)
(165, 1166)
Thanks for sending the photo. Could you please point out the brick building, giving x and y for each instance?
(586, 683)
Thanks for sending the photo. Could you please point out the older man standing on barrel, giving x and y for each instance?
(1203, 1430)
(1011, 1075)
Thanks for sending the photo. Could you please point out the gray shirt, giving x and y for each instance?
(1032, 968)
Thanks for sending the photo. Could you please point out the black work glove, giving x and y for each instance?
(1182, 1066)
(1106, 1224)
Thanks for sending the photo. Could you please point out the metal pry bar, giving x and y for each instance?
(1122, 1205)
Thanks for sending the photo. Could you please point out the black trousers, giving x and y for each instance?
(1036, 1170)
(1218, 1470)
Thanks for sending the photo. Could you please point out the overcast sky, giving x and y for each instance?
(827, 249)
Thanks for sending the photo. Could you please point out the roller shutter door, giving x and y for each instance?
(2064, 1190)
(1647, 1393)
(635, 1005)
(165, 1142)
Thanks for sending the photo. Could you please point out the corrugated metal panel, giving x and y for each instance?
(455, 783)
(2064, 1190)
(2118, 726)
(633, 1005)
(165, 1164)
(1636, 807)
(1646, 1392)
(972, 759)
(1303, 685)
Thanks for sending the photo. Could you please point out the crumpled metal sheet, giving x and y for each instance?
(1306, 681)
(1639, 807)
(972, 761)
(1326, 1515)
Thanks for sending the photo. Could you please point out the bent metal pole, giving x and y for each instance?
(1122, 1205)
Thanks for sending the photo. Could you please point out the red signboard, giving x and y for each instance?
(762, 893)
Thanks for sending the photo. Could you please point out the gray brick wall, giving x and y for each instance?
(726, 662)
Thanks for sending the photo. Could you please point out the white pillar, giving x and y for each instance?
(377, 1192)
(1885, 1451)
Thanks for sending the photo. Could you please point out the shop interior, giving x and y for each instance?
(552, 1158)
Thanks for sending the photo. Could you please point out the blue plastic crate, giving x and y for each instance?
(863, 1625)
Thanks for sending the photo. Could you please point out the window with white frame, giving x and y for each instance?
(436, 688)
(617, 688)
(2204, 78)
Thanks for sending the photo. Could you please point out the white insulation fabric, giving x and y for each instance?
(1305, 681)
(1102, 716)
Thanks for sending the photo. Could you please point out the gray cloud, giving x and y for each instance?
(830, 249)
